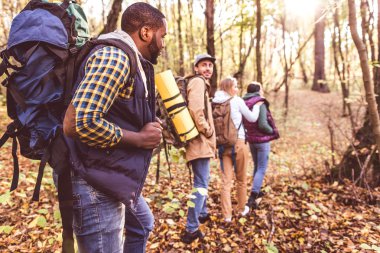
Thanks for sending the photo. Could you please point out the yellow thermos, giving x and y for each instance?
(175, 106)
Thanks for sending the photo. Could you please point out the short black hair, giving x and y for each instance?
(140, 14)
(254, 87)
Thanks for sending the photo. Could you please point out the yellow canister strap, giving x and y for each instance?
(187, 132)
(173, 107)
(171, 98)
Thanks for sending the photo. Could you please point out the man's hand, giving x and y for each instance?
(149, 136)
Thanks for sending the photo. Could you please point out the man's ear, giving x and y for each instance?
(145, 34)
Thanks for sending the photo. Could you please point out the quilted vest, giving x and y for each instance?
(253, 132)
(120, 172)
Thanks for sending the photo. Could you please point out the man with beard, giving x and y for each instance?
(200, 149)
(113, 129)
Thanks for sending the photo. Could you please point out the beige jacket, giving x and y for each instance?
(204, 145)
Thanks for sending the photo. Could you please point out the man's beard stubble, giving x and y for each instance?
(154, 50)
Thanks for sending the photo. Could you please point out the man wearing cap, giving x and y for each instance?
(200, 149)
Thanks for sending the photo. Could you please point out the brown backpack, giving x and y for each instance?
(225, 130)
(169, 133)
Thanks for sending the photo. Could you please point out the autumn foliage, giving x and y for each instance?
(303, 209)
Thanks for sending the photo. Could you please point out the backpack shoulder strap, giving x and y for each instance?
(90, 45)
(204, 95)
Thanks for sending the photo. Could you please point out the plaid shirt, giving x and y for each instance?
(106, 72)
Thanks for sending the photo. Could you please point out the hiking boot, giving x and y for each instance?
(260, 195)
(252, 200)
(203, 219)
(189, 237)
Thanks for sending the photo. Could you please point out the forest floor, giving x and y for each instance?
(302, 210)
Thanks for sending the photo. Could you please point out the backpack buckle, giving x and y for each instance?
(12, 129)
(73, 50)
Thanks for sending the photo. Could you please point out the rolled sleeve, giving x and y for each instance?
(105, 73)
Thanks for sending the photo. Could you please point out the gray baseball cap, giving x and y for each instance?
(201, 57)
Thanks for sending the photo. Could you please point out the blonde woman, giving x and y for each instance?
(234, 159)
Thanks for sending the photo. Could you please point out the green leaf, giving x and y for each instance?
(170, 195)
(51, 241)
(43, 211)
(181, 213)
(38, 221)
(190, 204)
(271, 248)
(5, 198)
(314, 207)
(175, 158)
(57, 215)
(41, 222)
(6, 229)
(305, 186)
(365, 246)
(49, 181)
(242, 221)
(267, 189)
(168, 209)
(181, 195)
(175, 205)
(376, 248)
(33, 223)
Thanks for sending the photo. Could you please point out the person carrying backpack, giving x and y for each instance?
(259, 135)
(112, 131)
(200, 149)
(37, 69)
(232, 148)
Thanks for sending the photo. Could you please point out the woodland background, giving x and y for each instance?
(319, 64)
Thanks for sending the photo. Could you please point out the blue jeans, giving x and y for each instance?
(201, 170)
(99, 221)
(260, 155)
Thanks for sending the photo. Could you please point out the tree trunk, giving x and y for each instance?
(166, 62)
(239, 74)
(363, 14)
(368, 137)
(377, 70)
(286, 69)
(112, 17)
(368, 85)
(243, 57)
(337, 50)
(181, 70)
(319, 82)
(258, 39)
(305, 78)
(211, 40)
(191, 46)
(222, 53)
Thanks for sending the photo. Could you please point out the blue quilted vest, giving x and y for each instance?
(120, 172)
